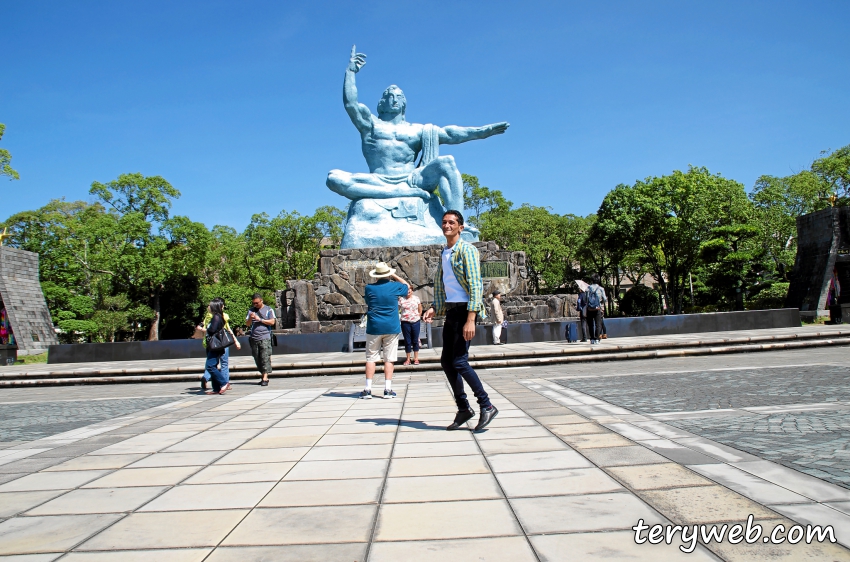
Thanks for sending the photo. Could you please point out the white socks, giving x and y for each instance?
(388, 384)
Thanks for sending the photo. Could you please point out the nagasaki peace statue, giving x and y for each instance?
(395, 204)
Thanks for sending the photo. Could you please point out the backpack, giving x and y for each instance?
(593, 298)
(571, 334)
(581, 302)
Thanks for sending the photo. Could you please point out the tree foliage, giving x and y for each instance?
(6, 160)
(665, 220)
(123, 266)
(479, 200)
(834, 171)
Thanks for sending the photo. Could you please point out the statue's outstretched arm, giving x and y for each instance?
(359, 113)
(456, 135)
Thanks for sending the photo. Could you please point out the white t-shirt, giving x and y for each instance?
(454, 292)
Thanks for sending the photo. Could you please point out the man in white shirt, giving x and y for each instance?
(458, 293)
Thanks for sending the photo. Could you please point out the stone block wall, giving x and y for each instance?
(334, 298)
(533, 308)
(21, 293)
(823, 243)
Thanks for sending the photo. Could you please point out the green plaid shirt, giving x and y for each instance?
(465, 265)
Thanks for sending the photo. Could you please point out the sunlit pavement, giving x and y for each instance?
(303, 470)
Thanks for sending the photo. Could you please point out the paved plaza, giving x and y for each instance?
(302, 470)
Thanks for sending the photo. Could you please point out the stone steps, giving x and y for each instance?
(481, 357)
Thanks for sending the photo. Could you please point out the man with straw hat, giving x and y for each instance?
(382, 325)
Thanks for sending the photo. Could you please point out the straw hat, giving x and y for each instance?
(381, 270)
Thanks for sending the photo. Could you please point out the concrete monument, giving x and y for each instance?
(394, 204)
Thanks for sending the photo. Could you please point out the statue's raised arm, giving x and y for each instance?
(453, 134)
(359, 113)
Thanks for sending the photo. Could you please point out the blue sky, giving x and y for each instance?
(238, 104)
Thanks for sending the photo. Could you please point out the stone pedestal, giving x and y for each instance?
(20, 292)
(334, 298)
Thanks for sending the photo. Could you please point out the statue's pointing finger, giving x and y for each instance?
(359, 59)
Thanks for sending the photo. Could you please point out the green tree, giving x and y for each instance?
(834, 171)
(479, 199)
(287, 246)
(150, 197)
(665, 221)
(733, 264)
(777, 203)
(156, 248)
(550, 242)
(6, 159)
(75, 242)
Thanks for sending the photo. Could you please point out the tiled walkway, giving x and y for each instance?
(307, 474)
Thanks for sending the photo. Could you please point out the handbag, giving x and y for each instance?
(220, 340)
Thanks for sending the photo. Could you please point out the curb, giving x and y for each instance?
(518, 360)
(577, 353)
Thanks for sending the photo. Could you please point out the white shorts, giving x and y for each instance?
(389, 343)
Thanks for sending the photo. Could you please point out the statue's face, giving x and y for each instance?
(392, 102)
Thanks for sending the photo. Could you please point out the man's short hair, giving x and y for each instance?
(496, 293)
(456, 214)
(595, 278)
(257, 296)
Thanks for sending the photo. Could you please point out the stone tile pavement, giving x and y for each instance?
(305, 471)
(797, 416)
(26, 421)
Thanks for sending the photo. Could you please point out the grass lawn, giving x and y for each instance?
(30, 359)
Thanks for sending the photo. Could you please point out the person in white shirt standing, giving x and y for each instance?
(458, 293)
(498, 316)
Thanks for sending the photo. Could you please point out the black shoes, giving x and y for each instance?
(460, 419)
(486, 417)
(465, 415)
(264, 383)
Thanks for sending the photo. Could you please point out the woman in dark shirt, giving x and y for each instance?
(214, 356)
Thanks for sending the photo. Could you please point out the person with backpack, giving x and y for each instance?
(595, 298)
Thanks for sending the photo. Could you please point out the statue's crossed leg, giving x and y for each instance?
(421, 182)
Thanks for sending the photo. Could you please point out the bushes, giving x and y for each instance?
(771, 297)
(640, 300)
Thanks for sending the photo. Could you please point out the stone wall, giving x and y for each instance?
(334, 298)
(21, 293)
(823, 243)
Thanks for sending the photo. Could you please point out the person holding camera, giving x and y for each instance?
(382, 325)
(260, 321)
